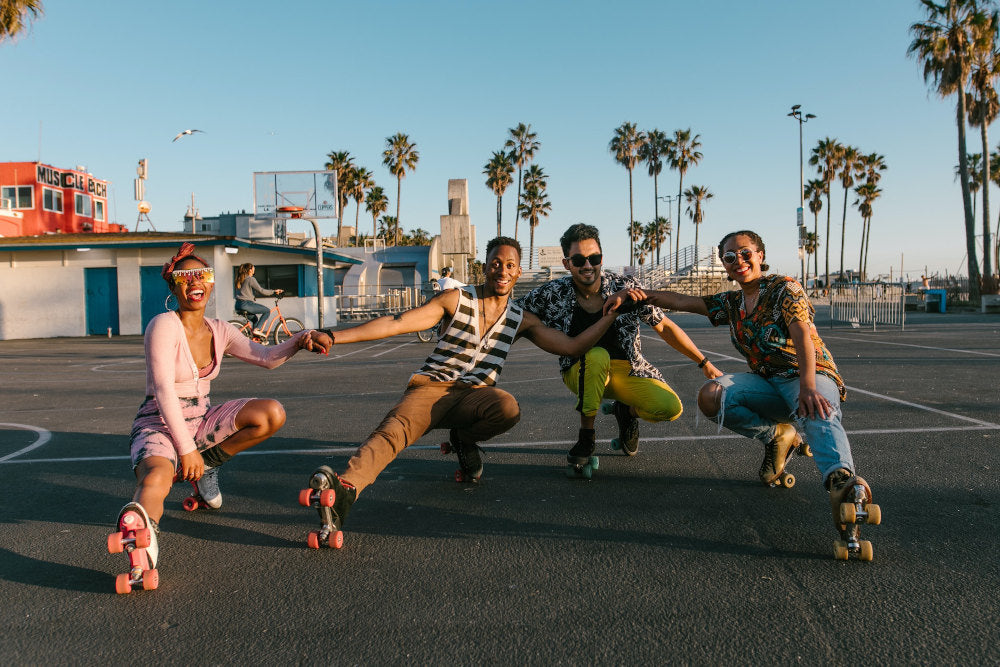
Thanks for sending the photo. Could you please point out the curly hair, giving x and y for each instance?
(754, 238)
(576, 233)
(503, 240)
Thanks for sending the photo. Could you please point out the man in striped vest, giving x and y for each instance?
(456, 386)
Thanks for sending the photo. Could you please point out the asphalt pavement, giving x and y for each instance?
(677, 555)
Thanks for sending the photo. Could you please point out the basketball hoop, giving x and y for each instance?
(291, 211)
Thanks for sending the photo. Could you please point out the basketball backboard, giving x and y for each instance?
(313, 191)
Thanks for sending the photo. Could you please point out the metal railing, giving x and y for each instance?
(868, 304)
(355, 307)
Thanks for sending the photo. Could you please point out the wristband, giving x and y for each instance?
(328, 332)
(704, 360)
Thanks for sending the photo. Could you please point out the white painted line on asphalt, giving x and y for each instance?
(392, 349)
(107, 368)
(43, 437)
(924, 407)
(521, 445)
(922, 347)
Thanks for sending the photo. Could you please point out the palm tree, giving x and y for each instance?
(826, 158)
(377, 203)
(652, 236)
(944, 44)
(420, 236)
(14, 16)
(683, 153)
(974, 160)
(625, 146)
(388, 227)
(658, 230)
(342, 163)
(696, 196)
(811, 246)
(400, 156)
(523, 144)
(362, 180)
(814, 190)
(652, 153)
(535, 176)
(983, 110)
(995, 178)
(534, 203)
(498, 173)
(872, 166)
(849, 166)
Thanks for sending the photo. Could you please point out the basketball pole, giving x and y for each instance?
(319, 273)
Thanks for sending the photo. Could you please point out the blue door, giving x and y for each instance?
(153, 293)
(101, 285)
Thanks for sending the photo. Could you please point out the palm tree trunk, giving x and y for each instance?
(399, 191)
(357, 216)
(861, 251)
(816, 249)
(517, 202)
(826, 281)
(631, 217)
(374, 228)
(531, 243)
(677, 230)
(868, 237)
(498, 215)
(987, 260)
(843, 234)
(970, 221)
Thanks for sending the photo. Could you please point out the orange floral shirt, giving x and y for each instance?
(763, 336)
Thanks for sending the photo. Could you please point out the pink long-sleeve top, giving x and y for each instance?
(171, 372)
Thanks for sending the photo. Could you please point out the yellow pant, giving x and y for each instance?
(604, 377)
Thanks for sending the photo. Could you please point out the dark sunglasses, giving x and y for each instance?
(580, 260)
(730, 257)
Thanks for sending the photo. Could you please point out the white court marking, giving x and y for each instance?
(43, 437)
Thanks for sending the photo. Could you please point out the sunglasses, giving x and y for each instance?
(745, 254)
(580, 260)
(186, 276)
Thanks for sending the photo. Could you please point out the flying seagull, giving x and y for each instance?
(186, 132)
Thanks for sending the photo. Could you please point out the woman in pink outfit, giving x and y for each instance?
(177, 432)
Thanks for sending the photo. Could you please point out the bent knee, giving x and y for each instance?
(506, 411)
(710, 399)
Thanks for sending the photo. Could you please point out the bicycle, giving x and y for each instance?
(279, 328)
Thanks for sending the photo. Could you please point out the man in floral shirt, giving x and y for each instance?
(615, 367)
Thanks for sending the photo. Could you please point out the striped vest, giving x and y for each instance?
(463, 353)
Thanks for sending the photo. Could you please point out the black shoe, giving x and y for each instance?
(345, 495)
(470, 457)
(584, 448)
(628, 428)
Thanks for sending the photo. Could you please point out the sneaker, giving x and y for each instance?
(208, 488)
(259, 333)
(778, 451)
(470, 457)
(628, 428)
(584, 448)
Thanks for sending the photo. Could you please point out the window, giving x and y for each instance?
(280, 276)
(83, 205)
(20, 196)
(52, 200)
(98, 210)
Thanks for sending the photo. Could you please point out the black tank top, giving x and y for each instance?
(609, 341)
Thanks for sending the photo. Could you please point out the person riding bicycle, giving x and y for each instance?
(246, 287)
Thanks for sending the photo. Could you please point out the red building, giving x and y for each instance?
(37, 199)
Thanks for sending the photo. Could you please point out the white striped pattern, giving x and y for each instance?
(463, 353)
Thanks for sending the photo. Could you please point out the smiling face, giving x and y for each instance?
(503, 268)
(588, 274)
(194, 290)
(747, 259)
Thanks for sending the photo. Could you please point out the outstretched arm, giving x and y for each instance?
(415, 319)
(676, 338)
(556, 342)
(663, 299)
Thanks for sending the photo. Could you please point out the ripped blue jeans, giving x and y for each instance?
(753, 405)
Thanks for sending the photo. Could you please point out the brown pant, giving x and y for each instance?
(478, 413)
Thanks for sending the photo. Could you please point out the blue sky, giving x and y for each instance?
(277, 88)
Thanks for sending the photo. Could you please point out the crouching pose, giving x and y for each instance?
(793, 385)
(454, 389)
(177, 433)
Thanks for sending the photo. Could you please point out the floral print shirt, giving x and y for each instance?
(763, 337)
(554, 302)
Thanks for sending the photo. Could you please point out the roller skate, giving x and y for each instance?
(136, 537)
(205, 492)
(333, 498)
(628, 427)
(850, 502)
(582, 462)
(777, 453)
(470, 458)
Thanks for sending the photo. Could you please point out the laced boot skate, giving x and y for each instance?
(470, 457)
(628, 427)
(333, 498)
(777, 453)
(137, 538)
(850, 503)
(582, 462)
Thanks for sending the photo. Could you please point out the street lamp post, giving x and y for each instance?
(797, 114)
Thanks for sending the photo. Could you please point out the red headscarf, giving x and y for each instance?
(186, 251)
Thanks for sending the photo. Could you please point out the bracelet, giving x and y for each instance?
(704, 360)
